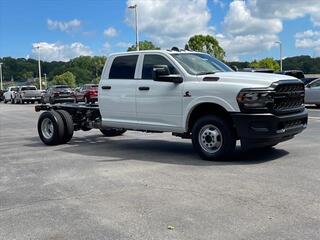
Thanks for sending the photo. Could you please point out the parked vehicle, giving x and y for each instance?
(58, 93)
(297, 74)
(259, 70)
(88, 93)
(190, 94)
(10, 94)
(313, 93)
(2, 95)
(27, 94)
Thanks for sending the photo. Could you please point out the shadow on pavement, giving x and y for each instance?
(152, 150)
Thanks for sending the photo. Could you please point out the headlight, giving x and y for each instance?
(254, 98)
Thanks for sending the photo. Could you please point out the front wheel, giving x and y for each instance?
(112, 132)
(213, 138)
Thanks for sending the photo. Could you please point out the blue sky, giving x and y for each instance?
(246, 29)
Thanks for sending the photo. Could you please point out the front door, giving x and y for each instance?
(159, 104)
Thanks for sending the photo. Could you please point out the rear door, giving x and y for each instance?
(117, 92)
(159, 104)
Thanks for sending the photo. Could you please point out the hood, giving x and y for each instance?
(251, 78)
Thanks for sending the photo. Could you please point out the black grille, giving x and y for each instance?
(288, 97)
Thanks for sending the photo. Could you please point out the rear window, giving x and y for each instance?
(123, 67)
(28, 88)
(14, 89)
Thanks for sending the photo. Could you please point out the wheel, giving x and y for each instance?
(15, 101)
(213, 138)
(112, 132)
(86, 100)
(68, 125)
(5, 101)
(51, 128)
(12, 100)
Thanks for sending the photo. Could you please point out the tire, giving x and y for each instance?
(86, 100)
(68, 125)
(5, 101)
(112, 132)
(51, 128)
(213, 138)
(12, 100)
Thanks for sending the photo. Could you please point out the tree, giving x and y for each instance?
(207, 44)
(266, 63)
(145, 45)
(66, 78)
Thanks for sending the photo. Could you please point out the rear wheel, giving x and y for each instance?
(51, 128)
(5, 101)
(112, 132)
(68, 125)
(213, 138)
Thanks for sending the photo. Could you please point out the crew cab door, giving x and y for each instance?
(117, 90)
(159, 104)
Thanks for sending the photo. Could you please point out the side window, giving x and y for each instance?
(150, 60)
(123, 67)
(315, 84)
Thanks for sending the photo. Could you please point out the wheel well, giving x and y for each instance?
(205, 109)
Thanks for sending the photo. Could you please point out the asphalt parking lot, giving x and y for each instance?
(137, 185)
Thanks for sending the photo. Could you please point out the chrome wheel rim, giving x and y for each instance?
(210, 138)
(47, 128)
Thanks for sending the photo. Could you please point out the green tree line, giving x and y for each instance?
(87, 69)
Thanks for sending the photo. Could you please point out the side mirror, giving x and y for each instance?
(161, 73)
(308, 85)
(235, 68)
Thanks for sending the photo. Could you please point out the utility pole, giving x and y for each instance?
(135, 7)
(1, 86)
(280, 48)
(39, 66)
(45, 80)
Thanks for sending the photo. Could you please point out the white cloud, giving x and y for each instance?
(110, 32)
(219, 3)
(309, 40)
(170, 23)
(286, 9)
(245, 34)
(123, 44)
(60, 52)
(66, 26)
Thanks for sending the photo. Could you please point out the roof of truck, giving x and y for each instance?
(154, 51)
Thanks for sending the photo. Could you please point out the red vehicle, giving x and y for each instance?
(88, 93)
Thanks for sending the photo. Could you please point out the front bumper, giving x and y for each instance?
(264, 129)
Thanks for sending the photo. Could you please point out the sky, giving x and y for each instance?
(247, 30)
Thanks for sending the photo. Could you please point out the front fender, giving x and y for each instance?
(189, 106)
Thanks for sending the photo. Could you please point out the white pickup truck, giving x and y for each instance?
(190, 94)
(10, 94)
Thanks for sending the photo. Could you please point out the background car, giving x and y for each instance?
(26, 94)
(312, 94)
(10, 94)
(2, 94)
(58, 93)
(88, 93)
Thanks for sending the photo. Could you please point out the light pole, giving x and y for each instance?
(1, 86)
(45, 80)
(136, 23)
(280, 48)
(39, 66)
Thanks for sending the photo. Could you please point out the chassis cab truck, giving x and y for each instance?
(190, 94)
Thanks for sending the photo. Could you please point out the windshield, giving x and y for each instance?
(28, 88)
(200, 63)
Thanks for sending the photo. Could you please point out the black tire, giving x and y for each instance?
(5, 101)
(56, 136)
(12, 100)
(216, 133)
(68, 125)
(112, 132)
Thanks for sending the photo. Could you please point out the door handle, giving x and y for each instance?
(106, 87)
(144, 88)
